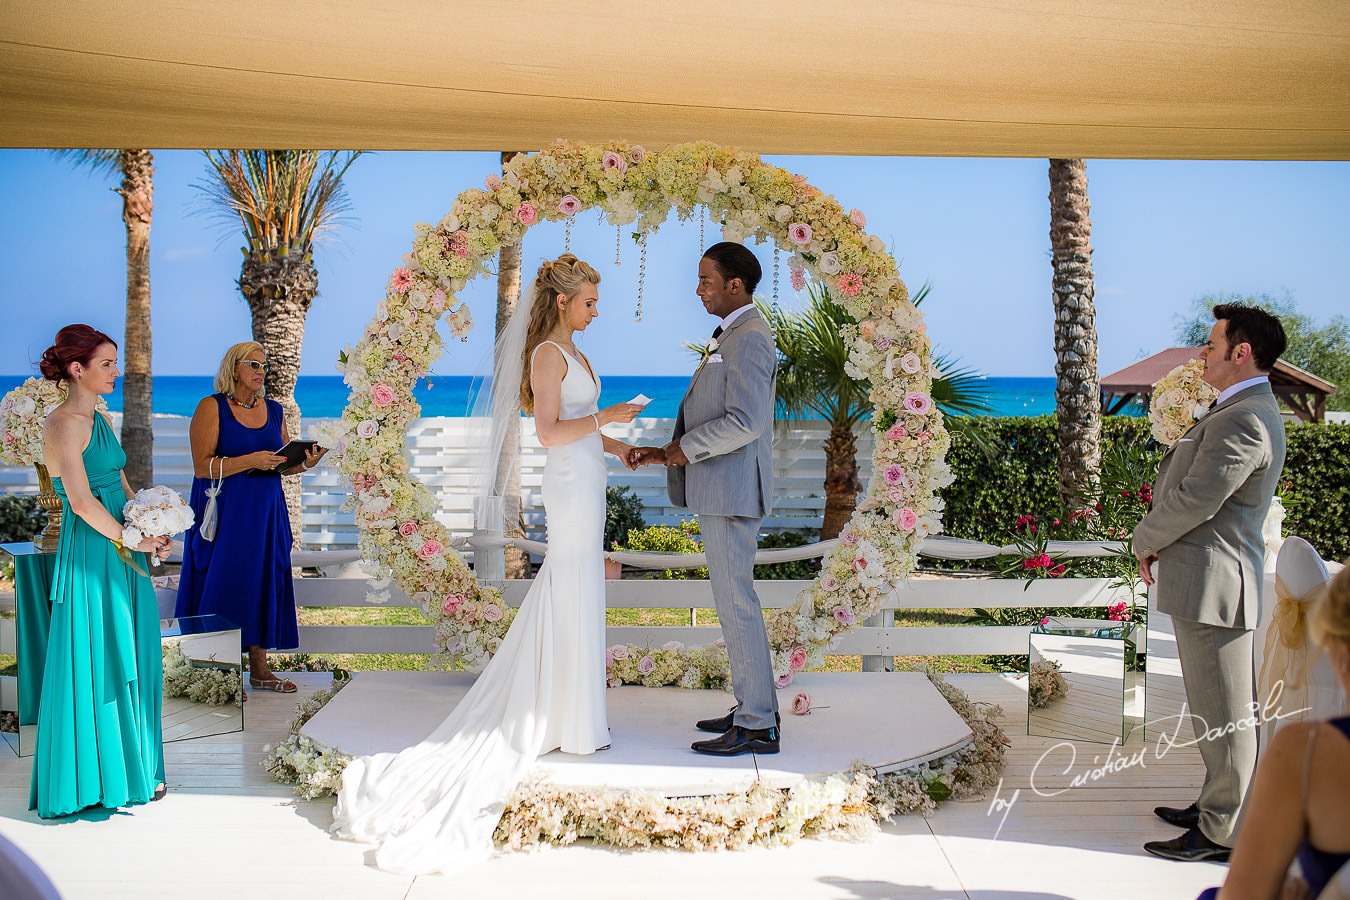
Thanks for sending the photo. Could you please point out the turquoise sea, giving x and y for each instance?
(452, 395)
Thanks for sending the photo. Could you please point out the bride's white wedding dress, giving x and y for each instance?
(434, 806)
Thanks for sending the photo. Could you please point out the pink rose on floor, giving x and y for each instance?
(848, 537)
(430, 547)
(828, 582)
(382, 394)
(783, 681)
(896, 432)
(452, 604)
(401, 280)
(799, 233)
(612, 160)
(493, 182)
(367, 428)
(918, 402)
(857, 218)
(801, 704)
(905, 519)
(492, 612)
(569, 205)
(910, 363)
(850, 284)
(646, 665)
(893, 474)
(408, 529)
(797, 658)
(843, 615)
(798, 280)
(619, 651)
(526, 213)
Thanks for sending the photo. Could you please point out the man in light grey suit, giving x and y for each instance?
(1213, 489)
(719, 465)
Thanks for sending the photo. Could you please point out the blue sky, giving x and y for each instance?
(1163, 233)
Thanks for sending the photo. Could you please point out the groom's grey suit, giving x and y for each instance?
(1213, 491)
(725, 428)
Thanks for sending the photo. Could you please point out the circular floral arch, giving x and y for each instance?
(403, 542)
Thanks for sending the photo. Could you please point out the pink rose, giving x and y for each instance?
(367, 428)
(619, 651)
(361, 482)
(893, 474)
(783, 681)
(526, 213)
(799, 233)
(883, 343)
(828, 582)
(569, 205)
(493, 182)
(612, 160)
(801, 704)
(430, 548)
(492, 612)
(797, 658)
(408, 529)
(850, 284)
(910, 363)
(918, 402)
(896, 432)
(382, 394)
(859, 563)
(895, 493)
(452, 604)
(609, 658)
(401, 280)
(905, 519)
(849, 537)
(462, 250)
(637, 153)
(857, 218)
(843, 615)
(646, 665)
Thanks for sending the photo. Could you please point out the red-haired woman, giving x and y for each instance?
(98, 733)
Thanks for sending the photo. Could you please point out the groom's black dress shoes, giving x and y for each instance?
(739, 740)
(1192, 846)
(722, 724)
(1181, 818)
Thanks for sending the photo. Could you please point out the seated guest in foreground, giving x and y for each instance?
(243, 572)
(1301, 796)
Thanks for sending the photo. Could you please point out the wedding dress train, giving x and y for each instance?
(434, 806)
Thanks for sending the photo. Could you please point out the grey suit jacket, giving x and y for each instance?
(725, 426)
(1214, 489)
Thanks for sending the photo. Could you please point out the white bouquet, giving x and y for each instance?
(23, 413)
(1180, 398)
(154, 512)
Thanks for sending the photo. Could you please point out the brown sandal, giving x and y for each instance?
(276, 685)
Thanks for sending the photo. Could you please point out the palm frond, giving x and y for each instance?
(106, 162)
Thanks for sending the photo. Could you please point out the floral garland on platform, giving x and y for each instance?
(400, 538)
(212, 685)
(23, 413)
(1180, 398)
(842, 805)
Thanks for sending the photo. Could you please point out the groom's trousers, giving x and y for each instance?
(730, 543)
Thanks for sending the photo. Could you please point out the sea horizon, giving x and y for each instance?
(325, 396)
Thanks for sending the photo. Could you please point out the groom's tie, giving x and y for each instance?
(717, 332)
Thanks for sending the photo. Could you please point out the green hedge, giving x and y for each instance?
(989, 494)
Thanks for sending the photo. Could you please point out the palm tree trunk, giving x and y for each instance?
(138, 438)
(1077, 386)
(508, 295)
(841, 480)
(279, 290)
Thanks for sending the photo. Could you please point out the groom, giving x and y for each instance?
(719, 465)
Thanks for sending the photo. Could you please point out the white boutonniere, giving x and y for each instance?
(708, 350)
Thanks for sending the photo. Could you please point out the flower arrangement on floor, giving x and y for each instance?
(314, 770)
(1045, 684)
(23, 412)
(212, 685)
(842, 805)
(633, 188)
(1180, 398)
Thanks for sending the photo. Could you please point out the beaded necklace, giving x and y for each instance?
(235, 401)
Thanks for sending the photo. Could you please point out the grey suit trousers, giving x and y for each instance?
(730, 542)
(1217, 668)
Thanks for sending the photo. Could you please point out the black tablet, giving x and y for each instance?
(294, 453)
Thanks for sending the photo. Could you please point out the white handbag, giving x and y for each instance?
(208, 526)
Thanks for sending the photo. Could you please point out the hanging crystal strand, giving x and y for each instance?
(642, 275)
(776, 310)
(702, 213)
(567, 235)
(618, 243)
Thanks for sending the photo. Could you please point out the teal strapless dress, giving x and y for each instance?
(99, 740)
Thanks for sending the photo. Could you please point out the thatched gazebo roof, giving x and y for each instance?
(1303, 392)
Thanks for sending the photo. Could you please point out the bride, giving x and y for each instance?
(434, 806)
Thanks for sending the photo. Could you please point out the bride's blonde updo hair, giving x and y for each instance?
(563, 277)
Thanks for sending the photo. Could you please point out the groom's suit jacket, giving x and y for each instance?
(1213, 491)
(725, 426)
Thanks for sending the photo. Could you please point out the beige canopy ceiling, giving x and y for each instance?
(1245, 79)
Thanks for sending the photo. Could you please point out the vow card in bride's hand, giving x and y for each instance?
(640, 400)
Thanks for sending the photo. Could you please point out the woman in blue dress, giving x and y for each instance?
(243, 573)
(99, 741)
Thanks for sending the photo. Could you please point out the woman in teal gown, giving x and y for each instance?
(99, 741)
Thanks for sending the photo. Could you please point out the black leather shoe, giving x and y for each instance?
(722, 724)
(1181, 818)
(739, 740)
(1192, 846)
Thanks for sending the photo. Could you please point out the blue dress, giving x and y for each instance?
(99, 741)
(245, 573)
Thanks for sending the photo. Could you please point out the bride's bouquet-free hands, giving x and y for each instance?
(155, 512)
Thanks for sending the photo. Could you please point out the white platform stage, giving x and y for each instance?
(889, 720)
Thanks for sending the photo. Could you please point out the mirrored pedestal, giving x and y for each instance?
(1102, 686)
(203, 683)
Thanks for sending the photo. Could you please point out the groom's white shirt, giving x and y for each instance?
(735, 314)
(1240, 386)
